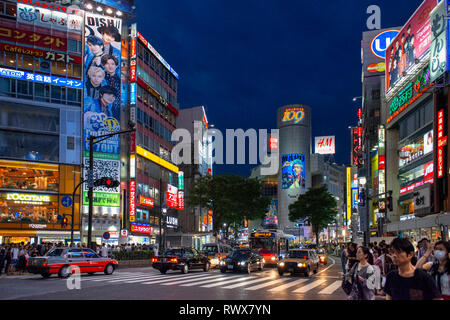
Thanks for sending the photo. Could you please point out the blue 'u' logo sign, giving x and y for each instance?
(382, 41)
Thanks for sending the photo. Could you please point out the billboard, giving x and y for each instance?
(411, 43)
(438, 49)
(271, 218)
(325, 145)
(293, 171)
(374, 45)
(102, 100)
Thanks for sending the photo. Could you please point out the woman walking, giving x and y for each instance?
(363, 276)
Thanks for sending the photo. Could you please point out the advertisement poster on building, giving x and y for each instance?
(293, 171)
(102, 100)
(411, 43)
(428, 142)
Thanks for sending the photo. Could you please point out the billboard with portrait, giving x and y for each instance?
(293, 171)
(410, 44)
(102, 100)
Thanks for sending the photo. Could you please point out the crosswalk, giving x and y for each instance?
(270, 283)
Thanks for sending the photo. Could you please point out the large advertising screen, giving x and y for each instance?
(411, 43)
(102, 100)
(293, 171)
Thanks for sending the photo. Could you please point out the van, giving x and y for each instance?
(216, 252)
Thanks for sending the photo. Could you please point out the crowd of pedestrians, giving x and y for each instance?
(397, 271)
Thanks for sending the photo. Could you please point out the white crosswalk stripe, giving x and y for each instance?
(142, 279)
(331, 288)
(288, 285)
(267, 284)
(226, 282)
(246, 283)
(105, 277)
(121, 278)
(172, 278)
(309, 286)
(189, 280)
(207, 281)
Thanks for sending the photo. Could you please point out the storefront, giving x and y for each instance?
(31, 198)
(141, 233)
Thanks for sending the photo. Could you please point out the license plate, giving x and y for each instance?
(230, 267)
(290, 270)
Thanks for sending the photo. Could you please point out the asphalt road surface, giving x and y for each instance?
(149, 284)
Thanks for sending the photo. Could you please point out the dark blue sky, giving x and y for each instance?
(244, 59)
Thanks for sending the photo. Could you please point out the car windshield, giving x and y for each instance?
(210, 250)
(298, 254)
(239, 254)
(56, 252)
(173, 252)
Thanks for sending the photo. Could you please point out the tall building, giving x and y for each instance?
(294, 177)
(152, 192)
(195, 223)
(41, 92)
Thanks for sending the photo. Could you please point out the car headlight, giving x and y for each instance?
(300, 265)
(242, 263)
(222, 263)
(273, 258)
(281, 264)
(263, 260)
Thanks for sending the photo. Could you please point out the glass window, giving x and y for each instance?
(28, 177)
(24, 89)
(27, 62)
(10, 59)
(42, 91)
(56, 94)
(29, 146)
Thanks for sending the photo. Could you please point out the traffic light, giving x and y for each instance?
(106, 182)
(64, 222)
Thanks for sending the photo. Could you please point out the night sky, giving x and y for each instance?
(244, 59)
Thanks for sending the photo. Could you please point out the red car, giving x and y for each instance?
(59, 260)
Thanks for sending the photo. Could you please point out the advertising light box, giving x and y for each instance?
(325, 145)
(293, 171)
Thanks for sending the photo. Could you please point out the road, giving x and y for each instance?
(148, 284)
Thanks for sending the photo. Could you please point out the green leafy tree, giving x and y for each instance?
(232, 198)
(317, 206)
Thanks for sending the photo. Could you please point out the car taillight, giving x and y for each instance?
(219, 255)
(304, 257)
(155, 259)
(44, 264)
(173, 260)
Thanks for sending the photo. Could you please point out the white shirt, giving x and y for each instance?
(104, 252)
(15, 252)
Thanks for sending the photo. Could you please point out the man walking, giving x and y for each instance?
(408, 283)
(104, 251)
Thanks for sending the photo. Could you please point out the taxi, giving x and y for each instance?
(299, 261)
(59, 260)
(216, 252)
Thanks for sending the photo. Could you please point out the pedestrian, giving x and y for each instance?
(104, 251)
(363, 276)
(440, 268)
(2, 258)
(8, 260)
(22, 262)
(408, 282)
(351, 255)
(344, 259)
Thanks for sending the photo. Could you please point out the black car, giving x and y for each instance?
(184, 259)
(242, 260)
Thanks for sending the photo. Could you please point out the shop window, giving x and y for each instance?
(24, 89)
(27, 62)
(42, 92)
(10, 59)
(56, 94)
(28, 176)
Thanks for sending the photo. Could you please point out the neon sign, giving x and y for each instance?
(296, 114)
(21, 75)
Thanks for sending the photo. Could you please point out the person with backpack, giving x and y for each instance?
(408, 282)
(440, 268)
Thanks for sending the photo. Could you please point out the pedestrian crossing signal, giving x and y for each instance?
(106, 182)
(64, 222)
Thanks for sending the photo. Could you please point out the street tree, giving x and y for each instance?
(232, 198)
(317, 206)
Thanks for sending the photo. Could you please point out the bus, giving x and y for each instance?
(270, 244)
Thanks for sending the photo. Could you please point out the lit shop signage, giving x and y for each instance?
(325, 145)
(140, 228)
(149, 202)
(21, 75)
(157, 55)
(180, 200)
(33, 38)
(45, 5)
(428, 178)
(133, 93)
(273, 143)
(22, 198)
(38, 53)
(172, 221)
(180, 180)
(293, 114)
(442, 141)
(37, 226)
(132, 200)
(381, 42)
(438, 48)
(356, 146)
(172, 196)
(349, 195)
(415, 149)
(41, 17)
(409, 94)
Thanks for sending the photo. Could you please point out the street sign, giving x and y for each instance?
(66, 201)
(124, 233)
(106, 236)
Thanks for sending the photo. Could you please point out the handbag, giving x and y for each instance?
(346, 285)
